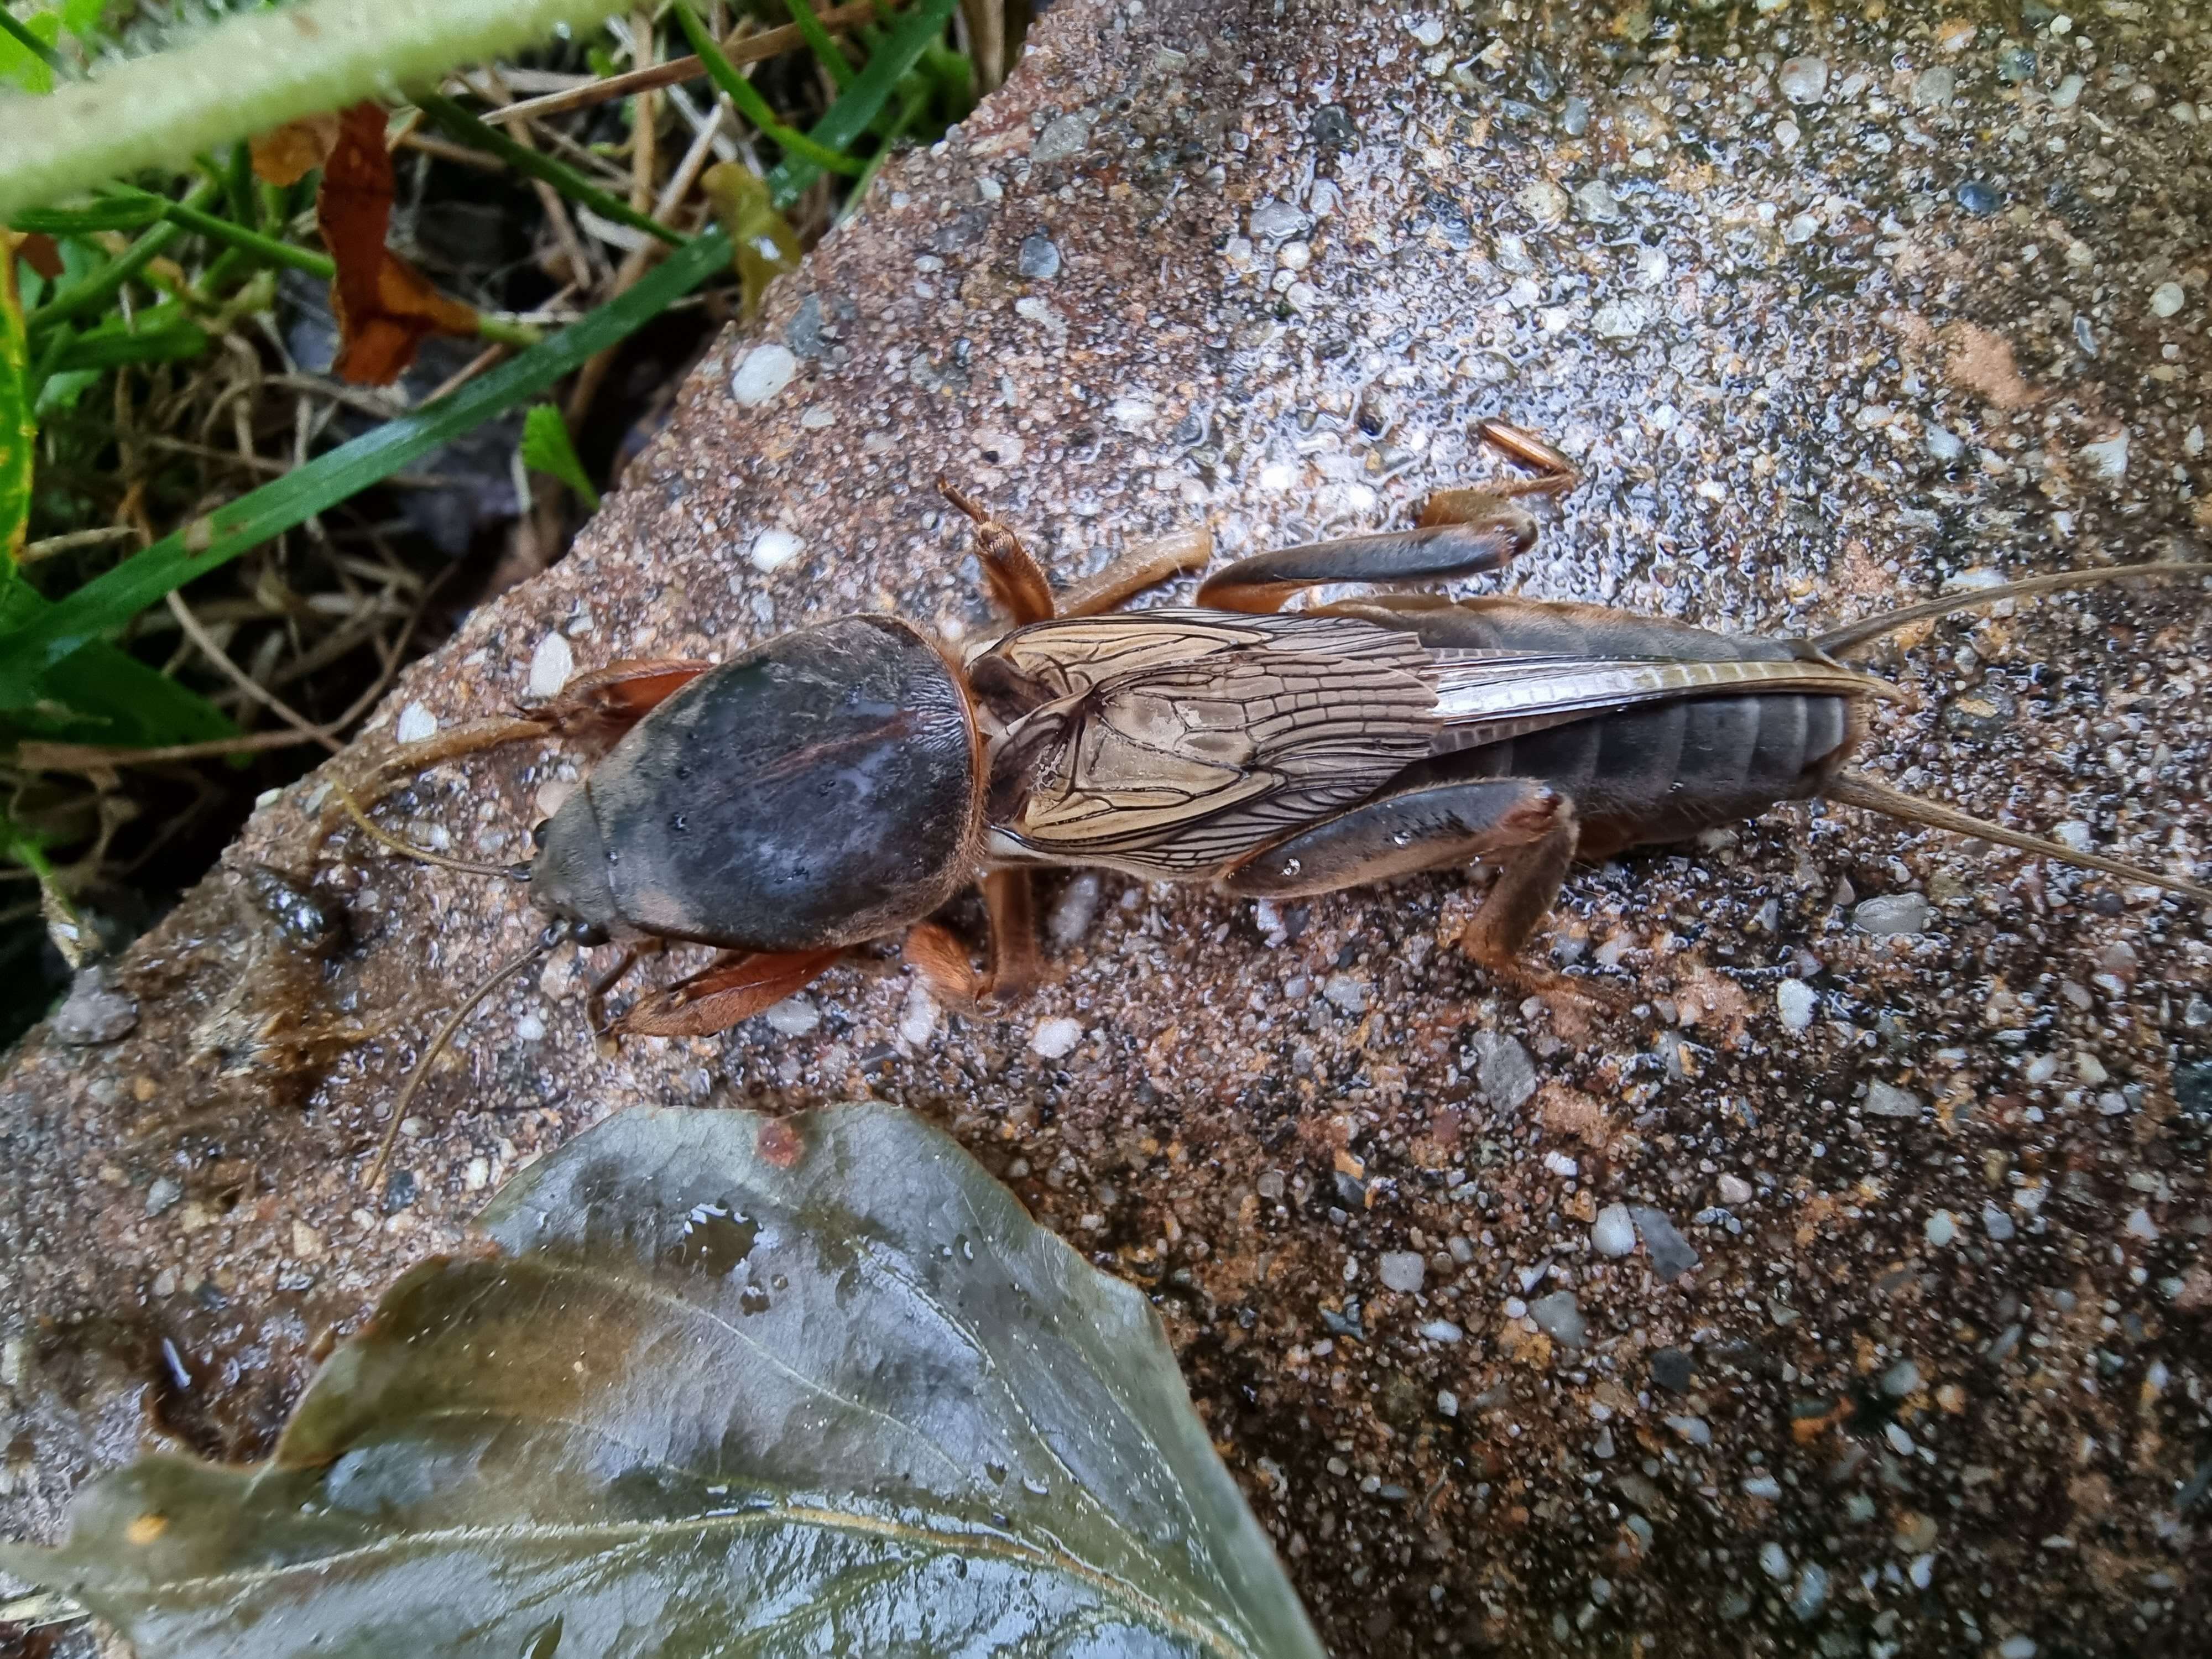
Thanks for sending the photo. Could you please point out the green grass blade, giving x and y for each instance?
(267, 249)
(18, 431)
(459, 123)
(21, 35)
(859, 105)
(818, 41)
(94, 292)
(108, 601)
(752, 106)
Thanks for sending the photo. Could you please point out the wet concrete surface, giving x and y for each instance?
(1852, 1295)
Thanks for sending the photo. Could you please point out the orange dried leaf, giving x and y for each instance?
(386, 308)
(286, 154)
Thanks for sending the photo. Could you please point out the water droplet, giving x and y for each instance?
(1033, 1486)
(996, 1471)
(1291, 866)
(714, 1239)
(544, 1641)
(1402, 839)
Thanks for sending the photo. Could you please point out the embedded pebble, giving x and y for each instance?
(1542, 200)
(1978, 198)
(1671, 1255)
(551, 664)
(1346, 994)
(2110, 458)
(1061, 139)
(1402, 1270)
(2140, 1225)
(1447, 1403)
(766, 370)
(1797, 1001)
(1278, 222)
(1038, 258)
(793, 1016)
(1736, 1190)
(2017, 1647)
(1921, 1572)
(1560, 1316)
(95, 1010)
(1995, 1222)
(1900, 1379)
(1895, 913)
(1811, 1592)
(1887, 1100)
(2166, 299)
(1774, 1560)
(1614, 1233)
(162, 1194)
(1695, 1429)
(1935, 87)
(1504, 1070)
(1055, 1038)
(1620, 319)
(416, 723)
(918, 1018)
(1761, 1486)
(1803, 80)
(772, 550)
(1596, 203)
(1075, 910)
(1442, 1330)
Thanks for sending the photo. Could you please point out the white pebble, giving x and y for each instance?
(551, 664)
(766, 371)
(1402, 1270)
(775, 549)
(1887, 1100)
(1560, 1164)
(1797, 1002)
(2110, 457)
(1614, 1233)
(416, 723)
(1774, 1560)
(918, 1019)
(2140, 1224)
(1803, 80)
(2016, 1647)
(1941, 1228)
(1447, 1402)
(1899, 1441)
(1736, 1190)
(1075, 909)
(1762, 1485)
(793, 1016)
(2166, 299)
(1055, 1038)
(1922, 1571)
(1442, 1330)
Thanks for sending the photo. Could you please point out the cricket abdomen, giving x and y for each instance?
(1664, 772)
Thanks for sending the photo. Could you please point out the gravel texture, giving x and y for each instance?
(1928, 302)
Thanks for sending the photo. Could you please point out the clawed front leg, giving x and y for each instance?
(937, 956)
(736, 987)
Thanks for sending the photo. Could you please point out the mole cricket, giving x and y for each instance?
(841, 783)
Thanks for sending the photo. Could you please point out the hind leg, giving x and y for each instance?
(1525, 826)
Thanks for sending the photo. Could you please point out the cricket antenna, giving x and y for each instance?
(1843, 640)
(422, 854)
(538, 952)
(1856, 789)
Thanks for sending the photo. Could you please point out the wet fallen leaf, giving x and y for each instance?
(386, 308)
(838, 1394)
(286, 154)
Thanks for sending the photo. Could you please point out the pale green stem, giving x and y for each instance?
(248, 73)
